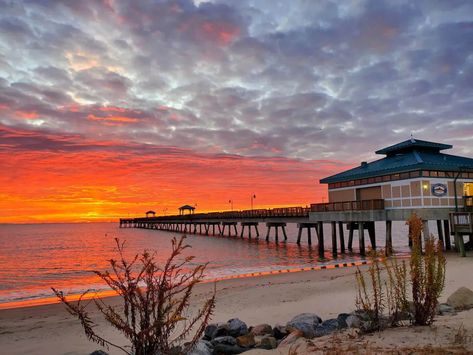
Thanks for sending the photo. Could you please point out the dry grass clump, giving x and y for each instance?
(155, 302)
(385, 287)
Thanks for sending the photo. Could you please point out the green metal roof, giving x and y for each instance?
(403, 157)
(411, 144)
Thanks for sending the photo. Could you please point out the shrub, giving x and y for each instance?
(427, 279)
(155, 302)
(389, 288)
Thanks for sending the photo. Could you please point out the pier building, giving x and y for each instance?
(414, 176)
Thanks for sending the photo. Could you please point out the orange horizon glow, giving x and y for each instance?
(103, 181)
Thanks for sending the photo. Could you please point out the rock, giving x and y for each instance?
(202, 347)
(237, 327)
(461, 299)
(327, 327)
(353, 321)
(262, 329)
(342, 320)
(223, 349)
(210, 331)
(444, 309)
(246, 341)
(268, 343)
(98, 352)
(306, 322)
(280, 332)
(291, 338)
(227, 340)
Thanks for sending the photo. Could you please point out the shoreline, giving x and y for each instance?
(42, 301)
(273, 299)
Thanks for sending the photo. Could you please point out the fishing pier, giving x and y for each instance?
(413, 177)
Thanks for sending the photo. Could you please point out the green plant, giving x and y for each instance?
(155, 302)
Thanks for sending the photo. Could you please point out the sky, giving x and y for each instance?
(111, 108)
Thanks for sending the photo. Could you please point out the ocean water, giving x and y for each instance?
(36, 257)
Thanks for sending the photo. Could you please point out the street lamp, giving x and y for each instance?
(231, 203)
(253, 196)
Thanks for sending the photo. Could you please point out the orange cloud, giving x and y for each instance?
(27, 115)
(102, 181)
(121, 119)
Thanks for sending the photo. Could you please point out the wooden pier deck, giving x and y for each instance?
(354, 216)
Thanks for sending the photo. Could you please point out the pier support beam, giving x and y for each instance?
(308, 227)
(372, 234)
(320, 236)
(276, 226)
(361, 236)
(334, 238)
(389, 238)
(249, 225)
(341, 236)
(446, 228)
(440, 233)
(350, 236)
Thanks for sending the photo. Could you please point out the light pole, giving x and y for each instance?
(253, 196)
(231, 203)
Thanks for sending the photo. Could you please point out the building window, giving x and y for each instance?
(413, 174)
(404, 176)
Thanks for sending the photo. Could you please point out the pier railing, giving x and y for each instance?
(255, 213)
(364, 205)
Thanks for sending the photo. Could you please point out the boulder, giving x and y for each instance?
(246, 341)
(223, 349)
(306, 322)
(237, 327)
(353, 321)
(227, 340)
(267, 342)
(202, 347)
(262, 329)
(291, 338)
(327, 327)
(445, 309)
(280, 332)
(210, 331)
(461, 299)
(342, 320)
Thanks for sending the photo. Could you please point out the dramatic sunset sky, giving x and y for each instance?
(111, 108)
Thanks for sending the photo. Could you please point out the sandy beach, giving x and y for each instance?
(49, 329)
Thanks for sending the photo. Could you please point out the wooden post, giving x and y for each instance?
(341, 236)
(334, 238)
(277, 230)
(257, 232)
(389, 238)
(267, 233)
(446, 228)
(350, 236)
(249, 231)
(235, 229)
(299, 234)
(309, 235)
(242, 229)
(361, 237)
(440, 232)
(320, 230)
(284, 232)
(222, 232)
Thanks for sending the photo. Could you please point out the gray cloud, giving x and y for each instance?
(300, 79)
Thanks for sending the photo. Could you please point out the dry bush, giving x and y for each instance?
(155, 299)
(388, 288)
(370, 297)
(427, 273)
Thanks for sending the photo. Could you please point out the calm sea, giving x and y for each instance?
(36, 257)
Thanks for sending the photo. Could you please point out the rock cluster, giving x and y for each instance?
(235, 337)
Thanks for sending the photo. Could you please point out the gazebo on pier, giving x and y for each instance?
(150, 214)
(184, 208)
